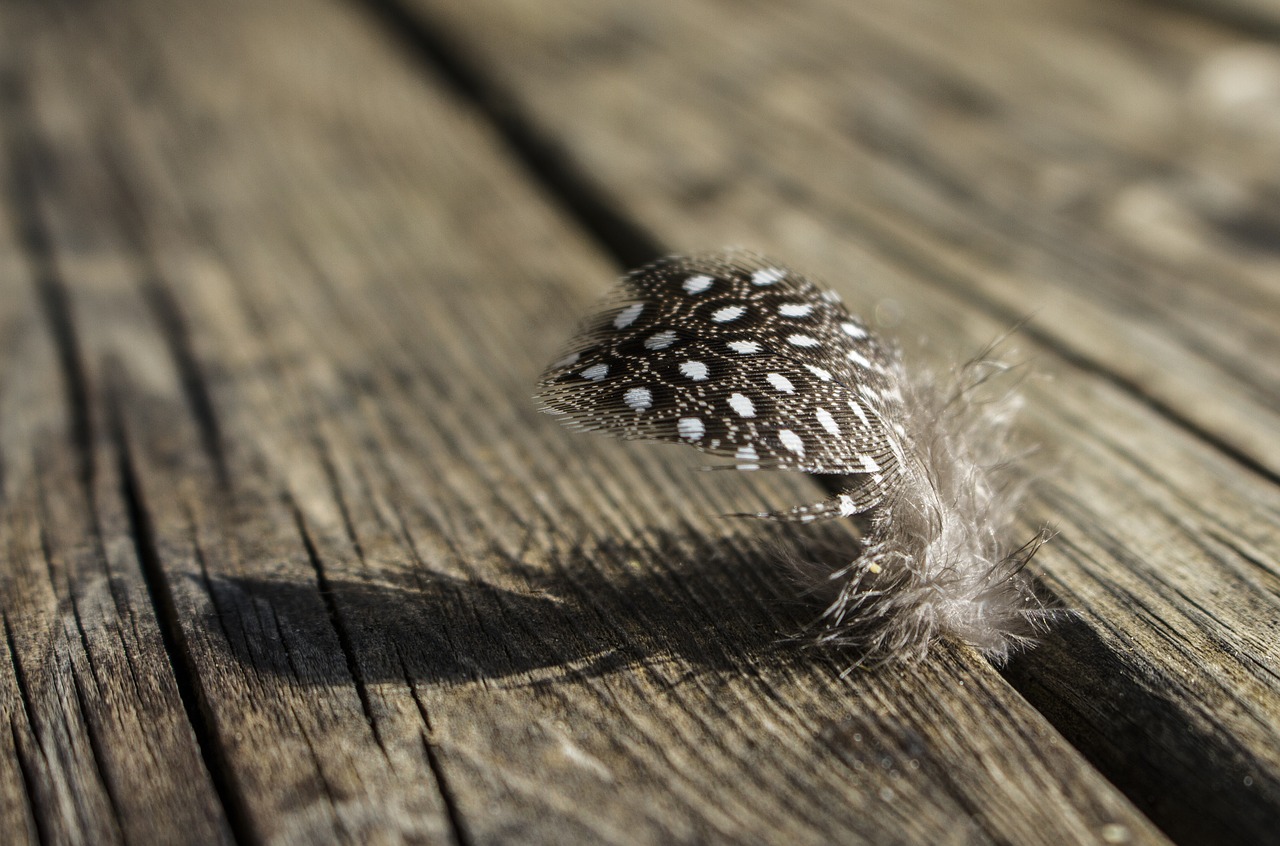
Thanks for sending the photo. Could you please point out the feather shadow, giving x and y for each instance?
(677, 605)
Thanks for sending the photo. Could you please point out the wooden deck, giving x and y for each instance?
(287, 554)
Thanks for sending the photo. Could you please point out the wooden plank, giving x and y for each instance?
(408, 606)
(722, 125)
(299, 762)
(98, 745)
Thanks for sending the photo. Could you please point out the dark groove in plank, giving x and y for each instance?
(168, 314)
(331, 794)
(97, 752)
(29, 785)
(550, 164)
(30, 780)
(177, 337)
(1186, 810)
(335, 619)
(221, 613)
(46, 545)
(84, 640)
(1248, 23)
(20, 676)
(24, 161)
(1167, 412)
(456, 826)
(1076, 664)
(331, 474)
(922, 269)
(1223, 537)
(184, 669)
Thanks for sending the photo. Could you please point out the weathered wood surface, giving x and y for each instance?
(289, 557)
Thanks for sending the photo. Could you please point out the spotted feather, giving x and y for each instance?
(744, 358)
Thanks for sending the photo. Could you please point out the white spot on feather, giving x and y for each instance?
(697, 284)
(799, 340)
(826, 421)
(791, 441)
(691, 428)
(767, 276)
(695, 370)
(728, 313)
(780, 383)
(628, 316)
(744, 347)
(742, 404)
(795, 309)
(596, 372)
(638, 398)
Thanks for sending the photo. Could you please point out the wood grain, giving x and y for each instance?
(290, 557)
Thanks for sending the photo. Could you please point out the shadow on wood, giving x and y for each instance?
(596, 612)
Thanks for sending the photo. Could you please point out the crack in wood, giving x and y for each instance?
(186, 678)
(165, 308)
(546, 161)
(457, 828)
(30, 786)
(24, 161)
(940, 277)
(1156, 785)
(339, 627)
(1251, 19)
(32, 782)
(97, 752)
(20, 677)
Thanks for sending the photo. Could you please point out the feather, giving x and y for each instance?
(739, 356)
